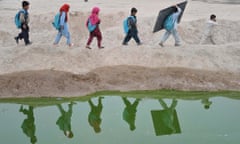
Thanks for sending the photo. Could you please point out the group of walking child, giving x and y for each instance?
(93, 22)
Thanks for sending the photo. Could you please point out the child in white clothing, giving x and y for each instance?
(208, 33)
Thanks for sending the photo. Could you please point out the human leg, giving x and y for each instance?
(176, 37)
(165, 37)
(127, 38)
(25, 35)
(16, 39)
(211, 40)
(66, 34)
(58, 37)
(91, 36)
(99, 38)
(135, 36)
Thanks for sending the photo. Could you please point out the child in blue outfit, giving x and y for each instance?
(24, 19)
(173, 31)
(133, 31)
(64, 28)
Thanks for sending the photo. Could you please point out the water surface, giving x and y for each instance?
(116, 119)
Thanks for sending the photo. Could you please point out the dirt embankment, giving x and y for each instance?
(55, 83)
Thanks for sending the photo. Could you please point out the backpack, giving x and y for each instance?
(17, 18)
(169, 23)
(56, 22)
(90, 26)
(126, 25)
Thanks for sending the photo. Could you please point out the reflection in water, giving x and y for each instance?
(135, 125)
(129, 113)
(28, 125)
(166, 121)
(64, 121)
(94, 117)
(206, 103)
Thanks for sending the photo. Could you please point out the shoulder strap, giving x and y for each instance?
(22, 11)
(132, 17)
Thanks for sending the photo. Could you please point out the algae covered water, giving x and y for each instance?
(121, 119)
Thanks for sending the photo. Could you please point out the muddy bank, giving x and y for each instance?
(49, 83)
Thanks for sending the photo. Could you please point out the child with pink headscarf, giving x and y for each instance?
(93, 27)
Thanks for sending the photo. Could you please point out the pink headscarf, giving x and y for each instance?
(94, 16)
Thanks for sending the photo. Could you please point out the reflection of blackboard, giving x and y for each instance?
(165, 122)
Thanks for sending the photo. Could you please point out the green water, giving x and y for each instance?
(115, 119)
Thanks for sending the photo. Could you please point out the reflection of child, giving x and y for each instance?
(206, 103)
(94, 117)
(28, 125)
(208, 33)
(64, 121)
(168, 117)
(129, 113)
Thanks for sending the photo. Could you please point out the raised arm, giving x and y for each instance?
(179, 10)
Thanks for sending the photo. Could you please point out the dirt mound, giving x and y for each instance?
(124, 78)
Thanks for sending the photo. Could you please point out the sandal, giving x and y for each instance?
(70, 45)
(88, 47)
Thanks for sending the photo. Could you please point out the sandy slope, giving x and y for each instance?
(214, 66)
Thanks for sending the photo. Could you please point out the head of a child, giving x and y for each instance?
(25, 5)
(69, 134)
(133, 11)
(213, 17)
(96, 10)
